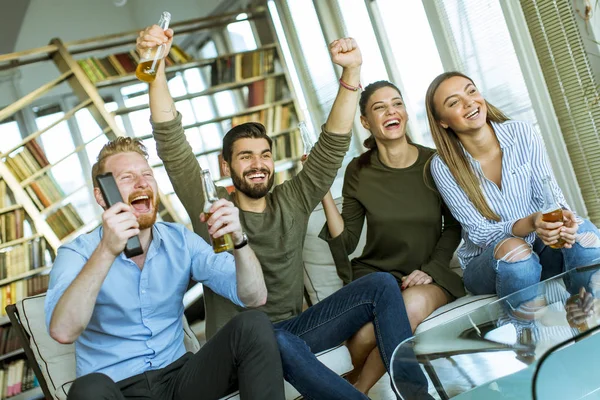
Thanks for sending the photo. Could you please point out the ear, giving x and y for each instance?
(443, 124)
(99, 198)
(225, 168)
(365, 123)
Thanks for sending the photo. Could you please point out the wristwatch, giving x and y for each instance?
(242, 243)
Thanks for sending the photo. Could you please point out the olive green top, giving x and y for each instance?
(408, 225)
(276, 235)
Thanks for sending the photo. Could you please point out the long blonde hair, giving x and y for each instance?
(451, 152)
(119, 145)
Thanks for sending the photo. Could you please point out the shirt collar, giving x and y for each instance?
(505, 136)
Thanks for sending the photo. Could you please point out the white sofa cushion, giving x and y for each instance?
(57, 361)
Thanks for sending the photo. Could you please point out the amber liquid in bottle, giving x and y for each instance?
(150, 61)
(223, 243)
(146, 70)
(555, 216)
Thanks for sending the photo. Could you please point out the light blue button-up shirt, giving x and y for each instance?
(524, 165)
(136, 324)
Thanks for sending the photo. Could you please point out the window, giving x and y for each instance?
(241, 35)
(356, 19)
(418, 61)
(484, 46)
(10, 134)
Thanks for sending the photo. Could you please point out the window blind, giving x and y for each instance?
(570, 80)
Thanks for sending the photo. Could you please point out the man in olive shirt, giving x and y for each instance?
(276, 222)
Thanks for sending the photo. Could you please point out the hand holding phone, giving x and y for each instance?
(112, 196)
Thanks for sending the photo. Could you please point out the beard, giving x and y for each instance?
(146, 220)
(256, 191)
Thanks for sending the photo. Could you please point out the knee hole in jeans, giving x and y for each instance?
(512, 250)
(588, 240)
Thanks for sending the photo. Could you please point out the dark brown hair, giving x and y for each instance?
(248, 130)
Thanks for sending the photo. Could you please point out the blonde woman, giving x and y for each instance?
(489, 170)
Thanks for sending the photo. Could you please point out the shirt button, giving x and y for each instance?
(143, 292)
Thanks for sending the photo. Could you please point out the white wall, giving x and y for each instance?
(80, 19)
(590, 34)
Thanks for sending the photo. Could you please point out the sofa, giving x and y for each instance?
(57, 362)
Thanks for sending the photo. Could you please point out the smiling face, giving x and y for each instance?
(459, 105)
(385, 115)
(136, 183)
(251, 168)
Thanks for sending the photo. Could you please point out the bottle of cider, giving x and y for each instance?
(308, 138)
(551, 210)
(150, 61)
(225, 242)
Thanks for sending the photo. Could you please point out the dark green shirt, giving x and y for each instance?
(276, 235)
(408, 225)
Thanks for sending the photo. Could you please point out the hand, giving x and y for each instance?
(225, 218)
(569, 229)
(119, 224)
(579, 310)
(417, 277)
(549, 232)
(153, 36)
(345, 53)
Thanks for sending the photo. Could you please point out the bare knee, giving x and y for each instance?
(512, 250)
(421, 301)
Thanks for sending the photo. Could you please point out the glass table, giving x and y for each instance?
(542, 342)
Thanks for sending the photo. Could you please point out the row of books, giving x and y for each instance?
(22, 258)
(16, 377)
(275, 119)
(11, 225)
(242, 66)
(64, 221)
(265, 91)
(9, 340)
(287, 146)
(4, 200)
(26, 160)
(99, 69)
(15, 291)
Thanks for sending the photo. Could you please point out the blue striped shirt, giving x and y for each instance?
(524, 164)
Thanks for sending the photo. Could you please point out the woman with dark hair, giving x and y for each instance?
(490, 172)
(410, 232)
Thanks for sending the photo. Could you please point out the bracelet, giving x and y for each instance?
(350, 87)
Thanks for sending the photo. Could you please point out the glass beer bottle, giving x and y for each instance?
(551, 210)
(308, 139)
(225, 242)
(150, 61)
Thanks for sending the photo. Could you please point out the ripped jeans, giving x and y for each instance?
(527, 265)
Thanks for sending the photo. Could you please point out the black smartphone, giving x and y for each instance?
(111, 195)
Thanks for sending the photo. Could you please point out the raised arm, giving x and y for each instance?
(171, 144)
(311, 184)
(69, 310)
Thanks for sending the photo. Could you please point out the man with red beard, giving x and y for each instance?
(276, 222)
(125, 315)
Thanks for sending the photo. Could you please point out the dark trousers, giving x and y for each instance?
(243, 354)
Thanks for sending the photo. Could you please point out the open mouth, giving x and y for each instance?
(141, 204)
(392, 123)
(257, 177)
(473, 114)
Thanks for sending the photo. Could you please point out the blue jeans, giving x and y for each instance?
(486, 275)
(373, 298)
